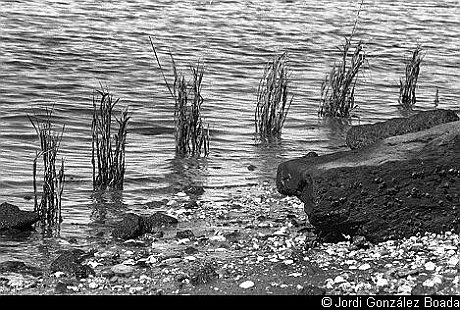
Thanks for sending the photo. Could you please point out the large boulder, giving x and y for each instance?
(394, 188)
(12, 218)
(362, 135)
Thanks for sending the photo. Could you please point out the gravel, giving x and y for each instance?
(257, 242)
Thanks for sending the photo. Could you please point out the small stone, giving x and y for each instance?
(129, 261)
(339, 279)
(185, 234)
(382, 282)
(453, 261)
(218, 238)
(190, 250)
(144, 278)
(171, 261)
(295, 274)
(151, 260)
(430, 266)
(429, 283)
(93, 285)
(246, 284)
(364, 267)
(122, 269)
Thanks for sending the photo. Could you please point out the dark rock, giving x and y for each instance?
(381, 214)
(130, 227)
(194, 190)
(190, 250)
(70, 262)
(11, 217)
(19, 267)
(133, 225)
(359, 242)
(203, 273)
(233, 236)
(61, 288)
(311, 154)
(362, 135)
(156, 220)
(312, 290)
(251, 167)
(191, 205)
(182, 234)
(420, 290)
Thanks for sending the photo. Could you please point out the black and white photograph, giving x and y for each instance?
(232, 147)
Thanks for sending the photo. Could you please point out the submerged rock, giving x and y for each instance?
(12, 218)
(395, 188)
(362, 135)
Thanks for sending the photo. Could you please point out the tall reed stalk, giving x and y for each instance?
(272, 102)
(107, 150)
(338, 88)
(49, 208)
(191, 136)
(408, 83)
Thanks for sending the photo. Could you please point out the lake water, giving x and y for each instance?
(57, 52)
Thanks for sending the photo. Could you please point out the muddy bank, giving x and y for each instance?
(259, 242)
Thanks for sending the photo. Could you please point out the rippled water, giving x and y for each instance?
(57, 52)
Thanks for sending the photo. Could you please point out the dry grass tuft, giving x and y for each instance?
(49, 208)
(408, 83)
(108, 150)
(272, 103)
(191, 136)
(338, 88)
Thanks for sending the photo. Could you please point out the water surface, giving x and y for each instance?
(57, 52)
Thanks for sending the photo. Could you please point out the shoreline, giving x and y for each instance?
(256, 244)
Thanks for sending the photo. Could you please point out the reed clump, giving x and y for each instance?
(338, 88)
(108, 151)
(49, 208)
(191, 135)
(408, 83)
(272, 101)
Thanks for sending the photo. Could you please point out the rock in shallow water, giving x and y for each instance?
(392, 189)
(11, 217)
(133, 225)
(129, 227)
(362, 135)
